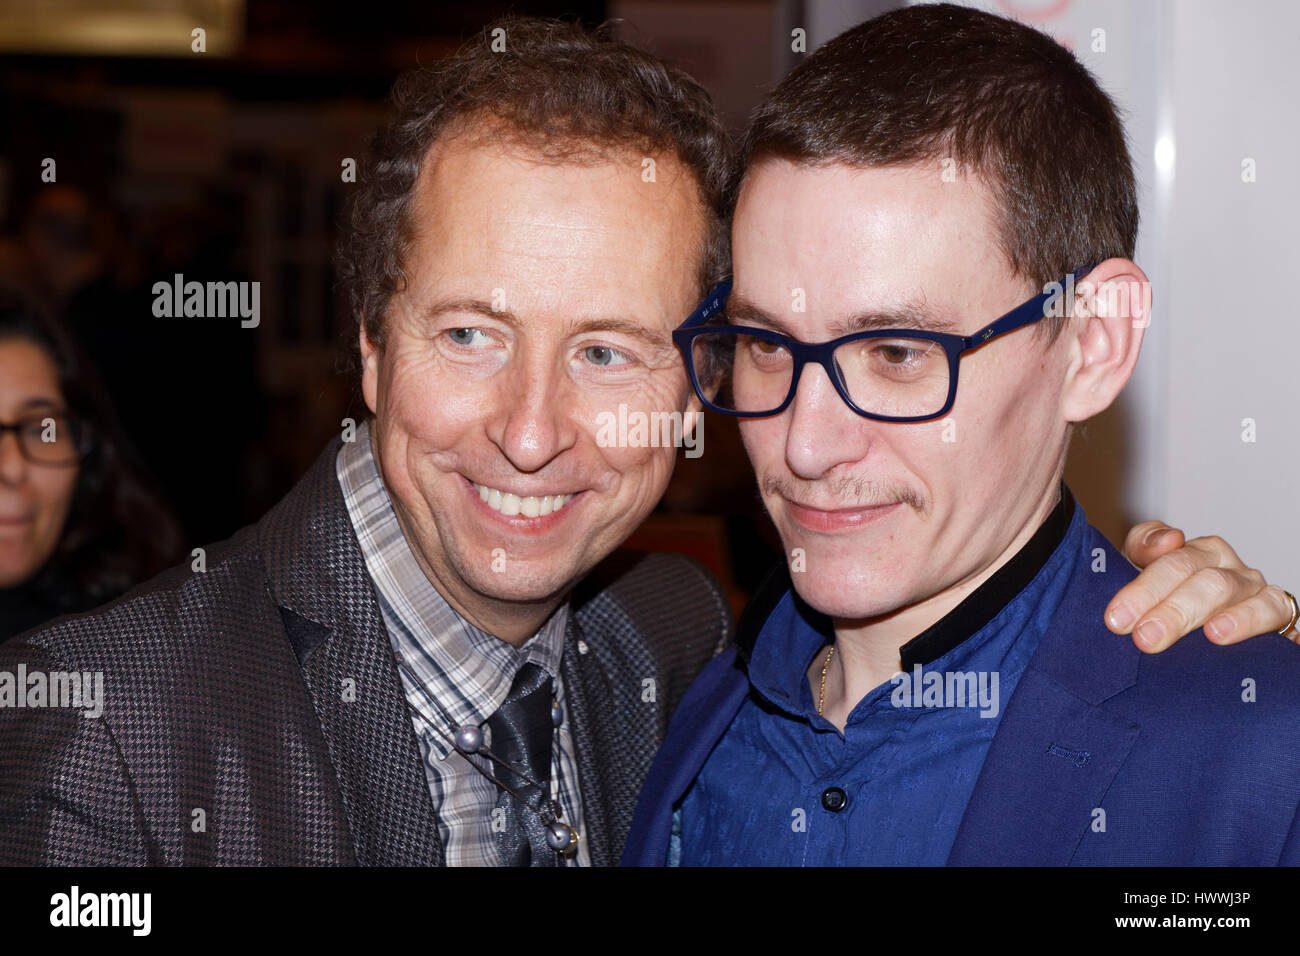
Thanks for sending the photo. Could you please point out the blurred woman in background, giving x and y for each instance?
(78, 525)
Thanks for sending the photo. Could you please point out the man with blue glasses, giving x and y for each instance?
(933, 284)
(890, 375)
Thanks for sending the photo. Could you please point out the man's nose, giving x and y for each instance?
(824, 431)
(536, 418)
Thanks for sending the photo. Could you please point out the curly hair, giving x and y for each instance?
(570, 94)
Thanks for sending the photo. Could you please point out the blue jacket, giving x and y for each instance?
(1104, 755)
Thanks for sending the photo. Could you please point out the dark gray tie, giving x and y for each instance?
(521, 737)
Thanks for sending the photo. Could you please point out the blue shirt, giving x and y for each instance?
(783, 787)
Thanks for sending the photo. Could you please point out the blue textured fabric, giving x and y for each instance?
(907, 760)
(1103, 755)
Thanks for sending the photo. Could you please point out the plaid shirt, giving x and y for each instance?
(443, 658)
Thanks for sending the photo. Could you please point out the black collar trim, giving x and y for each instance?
(968, 617)
(984, 603)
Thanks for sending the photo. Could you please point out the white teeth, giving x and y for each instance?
(511, 504)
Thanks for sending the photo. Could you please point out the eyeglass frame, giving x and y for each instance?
(81, 434)
(822, 353)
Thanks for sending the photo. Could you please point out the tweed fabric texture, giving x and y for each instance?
(253, 713)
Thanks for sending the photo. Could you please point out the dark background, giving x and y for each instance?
(225, 165)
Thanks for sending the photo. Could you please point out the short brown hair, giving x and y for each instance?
(574, 95)
(929, 82)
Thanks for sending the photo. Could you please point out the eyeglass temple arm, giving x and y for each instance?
(1022, 315)
(1026, 313)
(710, 307)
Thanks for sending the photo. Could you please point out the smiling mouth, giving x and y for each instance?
(512, 505)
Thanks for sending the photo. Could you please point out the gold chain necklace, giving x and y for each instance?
(821, 697)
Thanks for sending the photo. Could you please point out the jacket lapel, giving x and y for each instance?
(599, 756)
(702, 717)
(1057, 748)
(317, 576)
(1051, 762)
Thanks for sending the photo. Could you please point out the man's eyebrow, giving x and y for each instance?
(467, 304)
(912, 315)
(623, 326)
(740, 311)
(629, 327)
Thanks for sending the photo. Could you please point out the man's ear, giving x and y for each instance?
(1112, 308)
(370, 355)
(691, 413)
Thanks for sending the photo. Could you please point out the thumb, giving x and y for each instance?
(1149, 540)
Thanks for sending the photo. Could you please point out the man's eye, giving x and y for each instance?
(470, 338)
(605, 356)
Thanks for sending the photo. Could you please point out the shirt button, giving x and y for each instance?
(834, 799)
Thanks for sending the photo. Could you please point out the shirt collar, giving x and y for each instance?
(779, 645)
(461, 672)
(984, 603)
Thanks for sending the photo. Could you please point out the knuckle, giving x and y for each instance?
(1176, 620)
(1219, 550)
(1139, 593)
(1246, 617)
(1181, 562)
(1216, 580)
(1176, 613)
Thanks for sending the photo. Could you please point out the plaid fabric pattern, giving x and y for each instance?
(453, 673)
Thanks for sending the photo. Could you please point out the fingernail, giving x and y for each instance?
(1154, 535)
(1221, 626)
(1122, 618)
(1150, 633)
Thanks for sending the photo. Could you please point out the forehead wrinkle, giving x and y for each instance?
(578, 246)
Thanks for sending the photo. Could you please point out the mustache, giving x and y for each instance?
(843, 492)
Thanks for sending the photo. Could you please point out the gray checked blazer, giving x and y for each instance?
(253, 713)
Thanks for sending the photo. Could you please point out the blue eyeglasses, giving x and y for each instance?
(889, 375)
